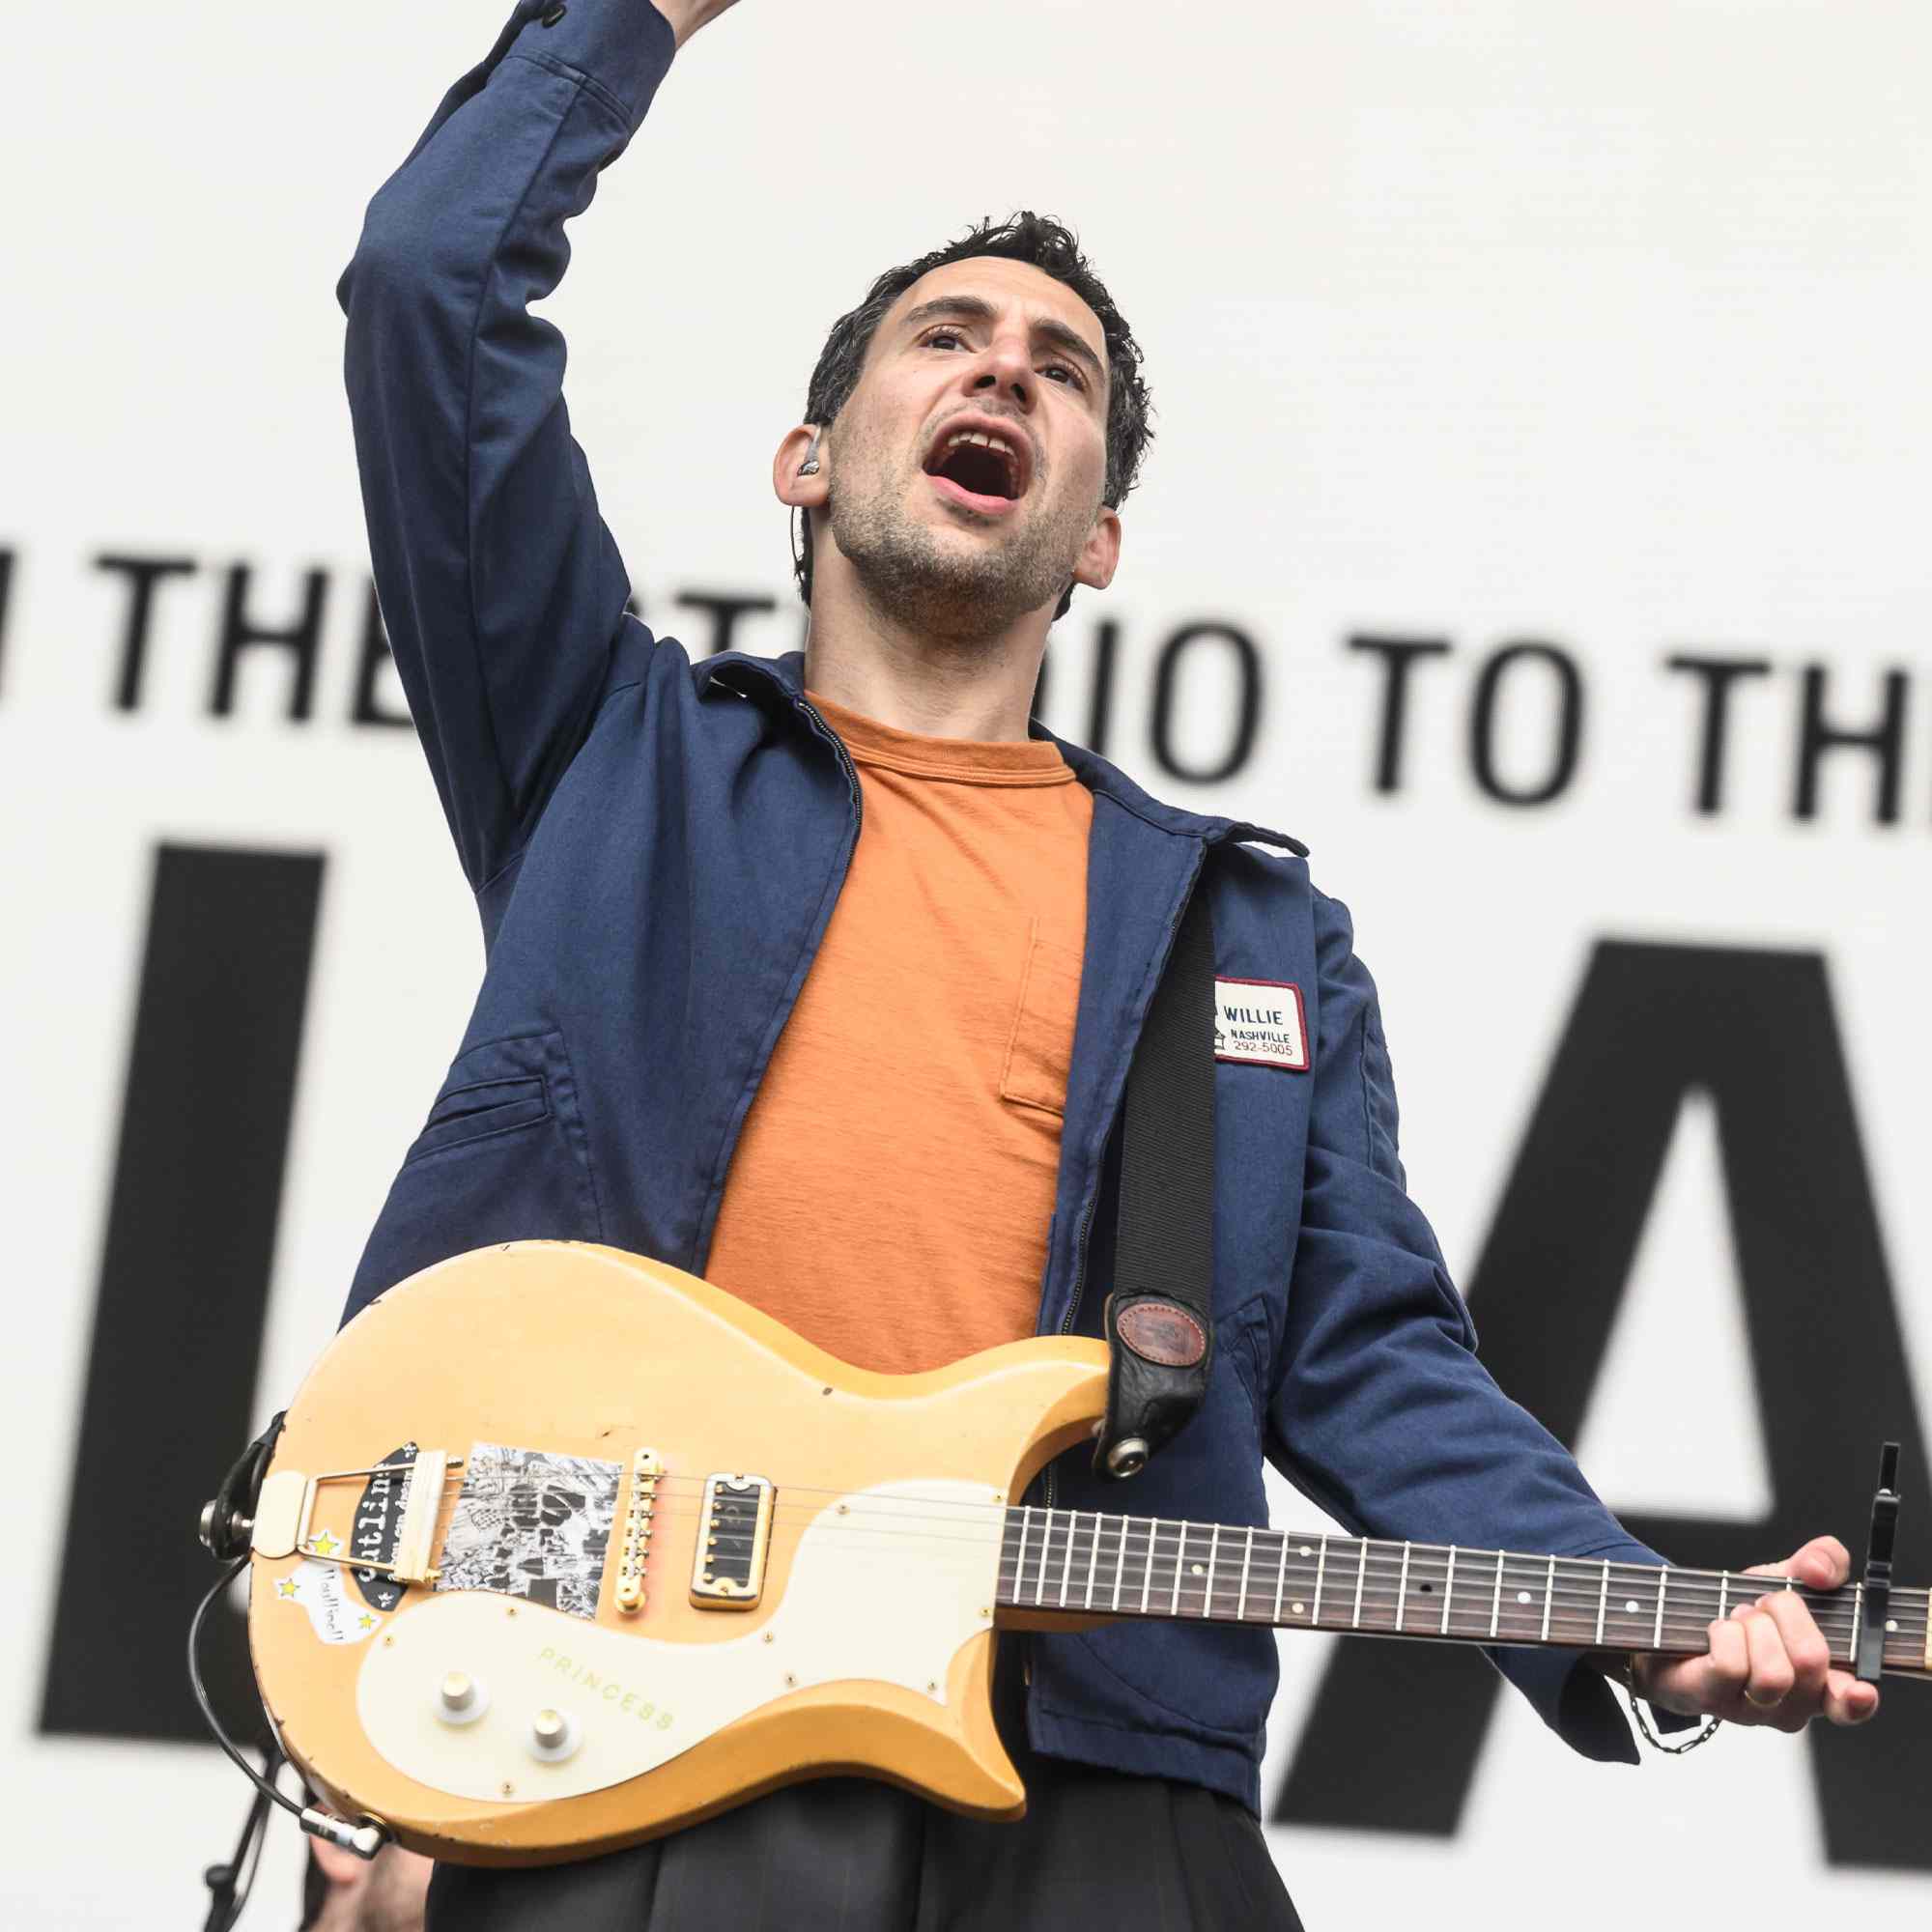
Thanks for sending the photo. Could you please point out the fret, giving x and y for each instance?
(1146, 1564)
(1602, 1601)
(1213, 1550)
(1723, 1593)
(1180, 1558)
(1518, 1608)
(1067, 1561)
(1020, 1562)
(1549, 1598)
(1321, 1569)
(1448, 1590)
(1039, 1574)
(1859, 1624)
(1361, 1577)
(1402, 1589)
(1120, 1561)
(1656, 1631)
(1497, 1599)
(1247, 1557)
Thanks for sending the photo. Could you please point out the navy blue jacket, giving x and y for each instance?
(655, 848)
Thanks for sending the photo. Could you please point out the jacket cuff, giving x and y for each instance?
(622, 47)
(1574, 1698)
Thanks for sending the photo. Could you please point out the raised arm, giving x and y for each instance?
(502, 591)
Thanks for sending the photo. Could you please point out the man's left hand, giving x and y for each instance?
(1768, 1662)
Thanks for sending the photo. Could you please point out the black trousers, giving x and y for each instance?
(852, 1854)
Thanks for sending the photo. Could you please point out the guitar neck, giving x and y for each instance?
(1093, 1563)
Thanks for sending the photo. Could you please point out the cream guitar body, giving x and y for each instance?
(488, 1724)
(560, 1548)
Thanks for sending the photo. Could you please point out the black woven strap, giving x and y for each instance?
(1160, 1337)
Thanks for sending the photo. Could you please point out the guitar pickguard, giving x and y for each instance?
(879, 1590)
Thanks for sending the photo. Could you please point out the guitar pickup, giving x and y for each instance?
(734, 1538)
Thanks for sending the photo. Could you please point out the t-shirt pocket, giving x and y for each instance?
(1041, 1049)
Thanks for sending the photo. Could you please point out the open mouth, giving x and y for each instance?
(981, 468)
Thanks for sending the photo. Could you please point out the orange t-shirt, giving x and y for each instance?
(890, 1191)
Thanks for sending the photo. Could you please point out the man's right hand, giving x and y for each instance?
(686, 17)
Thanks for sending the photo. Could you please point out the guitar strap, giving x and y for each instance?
(1160, 1336)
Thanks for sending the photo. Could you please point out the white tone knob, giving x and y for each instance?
(461, 1698)
(554, 1736)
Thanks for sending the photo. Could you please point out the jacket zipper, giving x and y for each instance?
(844, 758)
(1079, 1287)
(805, 708)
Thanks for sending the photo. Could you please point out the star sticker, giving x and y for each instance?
(324, 1545)
(366, 1622)
(286, 1588)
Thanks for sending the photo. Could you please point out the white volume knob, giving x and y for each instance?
(461, 1698)
(554, 1736)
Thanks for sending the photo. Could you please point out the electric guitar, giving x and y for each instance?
(560, 1548)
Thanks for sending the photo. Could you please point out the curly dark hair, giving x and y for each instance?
(1045, 244)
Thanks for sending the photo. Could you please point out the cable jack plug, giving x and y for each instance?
(365, 1839)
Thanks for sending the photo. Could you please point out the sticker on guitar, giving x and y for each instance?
(530, 1523)
(321, 1590)
(372, 1534)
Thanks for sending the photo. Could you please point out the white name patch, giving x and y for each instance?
(1260, 1023)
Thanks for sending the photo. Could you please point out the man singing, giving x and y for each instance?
(821, 978)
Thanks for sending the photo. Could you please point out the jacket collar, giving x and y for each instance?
(734, 670)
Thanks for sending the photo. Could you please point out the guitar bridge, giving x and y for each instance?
(734, 1540)
(646, 1468)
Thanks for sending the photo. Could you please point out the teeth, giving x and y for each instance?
(989, 441)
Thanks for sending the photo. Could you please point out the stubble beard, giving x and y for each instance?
(961, 593)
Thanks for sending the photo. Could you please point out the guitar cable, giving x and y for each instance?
(366, 1839)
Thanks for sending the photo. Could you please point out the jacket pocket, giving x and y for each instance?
(482, 1108)
(1039, 1050)
(503, 1156)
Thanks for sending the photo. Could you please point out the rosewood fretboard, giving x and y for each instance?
(1088, 1563)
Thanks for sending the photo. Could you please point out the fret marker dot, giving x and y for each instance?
(1630, 1605)
(1891, 1624)
(1296, 1607)
(1522, 1596)
(1198, 1569)
(1306, 1551)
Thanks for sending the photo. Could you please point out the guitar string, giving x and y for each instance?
(1575, 1597)
(914, 1508)
(1515, 1623)
(1694, 1588)
(1580, 1581)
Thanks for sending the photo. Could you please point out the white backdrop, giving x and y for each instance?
(1595, 325)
